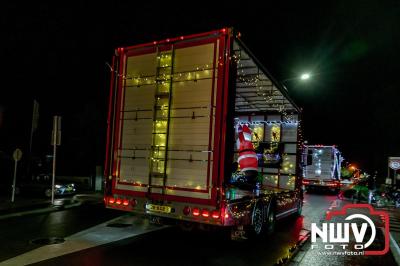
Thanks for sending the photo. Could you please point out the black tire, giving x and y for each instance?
(257, 226)
(270, 220)
(262, 224)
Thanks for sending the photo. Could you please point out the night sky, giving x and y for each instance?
(57, 53)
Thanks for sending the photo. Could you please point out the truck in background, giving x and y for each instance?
(175, 109)
(322, 167)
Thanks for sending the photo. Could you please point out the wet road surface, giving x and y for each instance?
(166, 246)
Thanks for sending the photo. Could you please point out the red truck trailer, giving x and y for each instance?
(177, 109)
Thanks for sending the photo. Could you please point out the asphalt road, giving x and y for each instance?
(148, 245)
(17, 233)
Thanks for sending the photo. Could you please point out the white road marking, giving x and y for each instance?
(394, 247)
(92, 237)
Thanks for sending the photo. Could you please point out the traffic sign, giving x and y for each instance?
(17, 155)
(394, 163)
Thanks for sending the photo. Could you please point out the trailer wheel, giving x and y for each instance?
(258, 220)
(271, 220)
(263, 224)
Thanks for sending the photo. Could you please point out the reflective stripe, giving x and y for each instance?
(283, 213)
(247, 156)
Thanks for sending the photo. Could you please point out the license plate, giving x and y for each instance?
(158, 208)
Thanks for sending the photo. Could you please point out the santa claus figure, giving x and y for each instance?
(248, 161)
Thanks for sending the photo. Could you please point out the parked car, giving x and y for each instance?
(41, 185)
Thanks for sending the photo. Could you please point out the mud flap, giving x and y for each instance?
(238, 233)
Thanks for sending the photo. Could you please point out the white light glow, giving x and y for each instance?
(305, 76)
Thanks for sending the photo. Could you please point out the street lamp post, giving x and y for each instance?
(303, 77)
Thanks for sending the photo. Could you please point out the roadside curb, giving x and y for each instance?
(41, 210)
(23, 208)
(294, 251)
(395, 249)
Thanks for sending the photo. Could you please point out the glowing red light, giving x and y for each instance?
(111, 200)
(125, 202)
(167, 40)
(154, 42)
(182, 37)
(196, 211)
(223, 30)
(205, 213)
(118, 201)
(215, 214)
(306, 182)
(186, 210)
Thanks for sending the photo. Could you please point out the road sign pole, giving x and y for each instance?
(17, 155)
(54, 174)
(14, 181)
(55, 125)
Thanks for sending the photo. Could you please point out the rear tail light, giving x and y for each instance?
(125, 202)
(196, 211)
(205, 213)
(111, 200)
(306, 182)
(333, 183)
(118, 201)
(215, 214)
(186, 210)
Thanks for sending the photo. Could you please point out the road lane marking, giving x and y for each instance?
(92, 237)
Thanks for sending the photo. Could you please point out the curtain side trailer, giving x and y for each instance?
(181, 113)
(322, 169)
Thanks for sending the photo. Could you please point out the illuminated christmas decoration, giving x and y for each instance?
(275, 133)
(161, 116)
(258, 133)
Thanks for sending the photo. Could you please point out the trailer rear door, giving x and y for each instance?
(165, 119)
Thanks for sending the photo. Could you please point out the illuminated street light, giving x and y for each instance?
(302, 77)
(305, 76)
